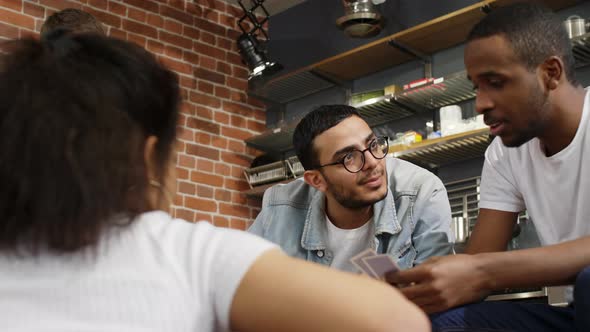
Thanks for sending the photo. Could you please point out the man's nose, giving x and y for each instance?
(483, 102)
(370, 161)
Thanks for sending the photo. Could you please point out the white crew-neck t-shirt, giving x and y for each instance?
(157, 274)
(554, 190)
(346, 243)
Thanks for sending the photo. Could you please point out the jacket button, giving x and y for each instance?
(320, 253)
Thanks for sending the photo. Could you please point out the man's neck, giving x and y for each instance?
(565, 120)
(347, 218)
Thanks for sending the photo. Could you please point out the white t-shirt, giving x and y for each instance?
(346, 243)
(157, 274)
(554, 190)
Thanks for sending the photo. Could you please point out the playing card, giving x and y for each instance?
(380, 264)
(357, 261)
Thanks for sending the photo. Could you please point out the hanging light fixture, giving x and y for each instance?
(252, 50)
(361, 19)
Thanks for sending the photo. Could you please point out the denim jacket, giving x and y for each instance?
(412, 223)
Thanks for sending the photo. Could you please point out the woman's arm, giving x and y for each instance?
(280, 293)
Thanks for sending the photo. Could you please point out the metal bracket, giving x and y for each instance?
(250, 15)
(426, 59)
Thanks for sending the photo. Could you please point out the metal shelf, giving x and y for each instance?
(442, 91)
(581, 50)
(429, 37)
(263, 177)
(379, 55)
(290, 87)
(273, 141)
(268, 173)
(376, 111)
(258, 191)
(464, 208)
(380, 110)
(295, 166)
(445, 150)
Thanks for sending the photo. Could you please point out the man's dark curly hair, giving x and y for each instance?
(534, 32)
(313, 124)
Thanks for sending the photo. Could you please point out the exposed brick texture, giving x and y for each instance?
(195, 38)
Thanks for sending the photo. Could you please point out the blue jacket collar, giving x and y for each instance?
(315, 234)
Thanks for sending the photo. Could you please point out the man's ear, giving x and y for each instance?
(553, 72)
(149, 157)
(315, 179)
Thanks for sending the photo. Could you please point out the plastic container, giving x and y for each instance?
(451, 121)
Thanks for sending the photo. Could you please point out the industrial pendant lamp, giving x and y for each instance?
(361, 19)
(252, 50)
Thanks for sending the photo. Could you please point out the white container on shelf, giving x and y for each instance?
(451, 121)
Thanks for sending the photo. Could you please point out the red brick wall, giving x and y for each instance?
(195, 38)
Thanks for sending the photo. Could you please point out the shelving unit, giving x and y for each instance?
(262, 177)
(258, 192)
(464, 200)
(378, 55)
(425, 38)
(274, 141)
(268, 173)
(374, 57)
(284, 89)
(444, 91)
(445, 150)
(376, 111)
(381, 110)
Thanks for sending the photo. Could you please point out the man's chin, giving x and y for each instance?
(378, 195)
(368, 200)
(514, 142)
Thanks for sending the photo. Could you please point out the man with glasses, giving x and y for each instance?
(352, 198)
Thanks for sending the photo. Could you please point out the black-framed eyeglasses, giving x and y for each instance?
(354, 161)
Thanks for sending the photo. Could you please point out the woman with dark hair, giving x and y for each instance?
(87, 132)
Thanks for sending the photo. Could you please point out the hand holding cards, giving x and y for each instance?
(373, 265)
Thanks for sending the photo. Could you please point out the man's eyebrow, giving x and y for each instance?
(489, 73)
(350, 148)
(345, 149)
(370, 137)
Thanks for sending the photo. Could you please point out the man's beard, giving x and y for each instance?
(344, 198)
(538, 102)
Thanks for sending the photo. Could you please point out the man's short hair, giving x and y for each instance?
(72, 20)
(534, 32)
(312, 125)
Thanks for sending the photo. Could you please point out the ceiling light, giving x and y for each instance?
(360, 19)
